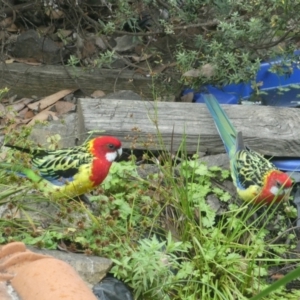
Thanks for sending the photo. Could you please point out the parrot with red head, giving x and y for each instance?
(255, 178)
(68, 172)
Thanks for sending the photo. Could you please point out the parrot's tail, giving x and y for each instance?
(21, 171)
(226, 130)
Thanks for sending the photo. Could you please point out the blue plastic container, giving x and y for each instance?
(287, 164)
(234, 93)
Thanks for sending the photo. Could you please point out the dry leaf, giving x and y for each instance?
(188, 97)
(19, 105)
(192, 73)
(143, 57)
(88, 48)
(29, 114)
(12, 99)
(125, 43)
(2, 110)
(3, 156)
(9, 61)
(97, 94)
(23, 112)
(10, 115)
(8, 126)
(13, 28)
(63, 107)
(54, 13)
(160, 68)
(43, 116)
(5, 23)
(2, 35)
(206, 70)
(26, 100)
(64, 33)
(49, 100)
(44, 30)
(62, 246)
(277, 276)
(28, 61)
(99, 42)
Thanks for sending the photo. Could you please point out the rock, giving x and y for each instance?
(230, 188)
(147, 169)
(99, 42)
(110, 288)
(124, 95)
(90, 268)
(65, 127)
(215, 204)
(30, 45)
(37, 276)
(126, 43)
(118, 63)
(219, 160)
(7, 292)
(222, 161)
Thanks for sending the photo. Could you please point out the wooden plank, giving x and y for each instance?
(269, 130)
(27, 80)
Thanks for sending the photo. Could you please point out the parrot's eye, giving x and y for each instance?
(111, 146)
(278, 184)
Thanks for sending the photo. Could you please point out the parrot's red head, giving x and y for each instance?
(277, 186)
(105, 149)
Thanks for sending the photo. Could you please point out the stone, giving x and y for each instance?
(7, 292)
(146, 169)
(38, 276)
(215, 204)
(65, 127)
(219, 160)
(90, 268)
(30, 45)
(126, 43)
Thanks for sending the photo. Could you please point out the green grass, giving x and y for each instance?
(165, 239)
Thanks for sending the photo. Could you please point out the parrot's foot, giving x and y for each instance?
(85, 199)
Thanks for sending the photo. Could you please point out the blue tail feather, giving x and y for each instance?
(57, 182)
(230, 137)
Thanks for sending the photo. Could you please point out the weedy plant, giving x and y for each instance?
(218, 256)
(167, 241)
(208, 42)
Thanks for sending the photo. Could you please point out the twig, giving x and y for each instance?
(98, 26)
(183, 27)
(13, 8)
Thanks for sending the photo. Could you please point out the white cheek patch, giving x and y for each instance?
(111, 156)
(276, 191)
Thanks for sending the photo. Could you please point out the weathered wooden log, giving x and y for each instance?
(268, 130)
(27, 80)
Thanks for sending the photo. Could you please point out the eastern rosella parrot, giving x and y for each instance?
(68, 172)
(255, 178)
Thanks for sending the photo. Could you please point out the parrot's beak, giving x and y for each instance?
(288, 192)
(119, 152)
(112, 156)
(285, 193)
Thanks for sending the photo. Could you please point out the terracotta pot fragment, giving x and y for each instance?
(40, 277)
